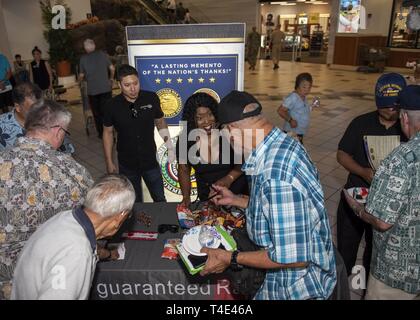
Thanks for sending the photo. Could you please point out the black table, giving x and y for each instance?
(144, 275)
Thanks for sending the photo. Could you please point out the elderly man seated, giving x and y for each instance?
(59, 260)
(12, 123)
(36, 182)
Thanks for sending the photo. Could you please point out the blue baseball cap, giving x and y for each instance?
(410, 98)
(388, 88)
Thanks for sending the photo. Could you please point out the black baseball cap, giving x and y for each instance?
(409, 98)
(231, 108)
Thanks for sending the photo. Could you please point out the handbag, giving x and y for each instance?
(246, 281)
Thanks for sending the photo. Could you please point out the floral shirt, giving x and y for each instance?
(11, 130)
(36, 182)
(394, 198)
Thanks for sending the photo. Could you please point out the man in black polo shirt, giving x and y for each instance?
(352, 156)
(134, 115)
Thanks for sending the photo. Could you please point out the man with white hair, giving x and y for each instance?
(285, 210)
(36, 182)
(97, 70)
(58, 262)
(393, 210)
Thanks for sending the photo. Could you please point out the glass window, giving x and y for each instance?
(401, 36)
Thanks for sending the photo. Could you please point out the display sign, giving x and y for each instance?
(176, 61)
(349, 17)
(313, 18)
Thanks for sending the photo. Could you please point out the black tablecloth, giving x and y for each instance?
(143, 274)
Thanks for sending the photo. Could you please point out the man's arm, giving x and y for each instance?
(108, 143)
(162, 127)
(111, 72)
(352, 166)
(31, 75)
(360, 210)
(375, 222)
(81, 77)
(219, 260)
(226, 197)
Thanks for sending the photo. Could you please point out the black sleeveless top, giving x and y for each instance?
(40, 74)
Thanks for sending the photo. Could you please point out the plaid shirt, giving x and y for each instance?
(286, 215)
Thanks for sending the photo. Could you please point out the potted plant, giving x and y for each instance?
(61, 48)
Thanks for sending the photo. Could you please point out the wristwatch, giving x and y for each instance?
(233, 261)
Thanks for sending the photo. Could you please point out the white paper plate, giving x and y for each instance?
(191, 243)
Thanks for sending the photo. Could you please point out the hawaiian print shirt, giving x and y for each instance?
(394, 197)
(11, 130)
(36, 182)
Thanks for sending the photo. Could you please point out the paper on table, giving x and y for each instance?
(379, 147)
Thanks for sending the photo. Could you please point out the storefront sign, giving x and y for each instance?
(349, 17)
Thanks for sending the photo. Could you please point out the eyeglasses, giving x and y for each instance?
(162, 228)
(134, 111)
(65, 131)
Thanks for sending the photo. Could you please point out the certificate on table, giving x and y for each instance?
(379, 147)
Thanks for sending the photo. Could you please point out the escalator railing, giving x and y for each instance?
(158, 13)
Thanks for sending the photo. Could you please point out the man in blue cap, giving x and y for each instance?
(393, 209)
(352, 156)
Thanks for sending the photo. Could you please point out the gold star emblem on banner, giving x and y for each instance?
(201, 80)
(158, 81)
(179, 80)
(212, 80)
(190, 80)
(169, 80)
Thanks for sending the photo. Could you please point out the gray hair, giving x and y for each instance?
(243, 123)
(413, 116)
(110, 196)
(45, 114)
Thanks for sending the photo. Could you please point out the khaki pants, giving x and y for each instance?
(275, 53)
(377, 290)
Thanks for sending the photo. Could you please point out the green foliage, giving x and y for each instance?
(60, 43)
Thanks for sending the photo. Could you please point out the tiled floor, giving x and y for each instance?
(343, 94)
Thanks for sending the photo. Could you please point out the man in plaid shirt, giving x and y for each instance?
(285, 211)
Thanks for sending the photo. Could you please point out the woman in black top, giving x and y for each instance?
(40, 71)
(200, 113)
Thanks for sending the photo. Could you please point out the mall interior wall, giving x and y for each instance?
(224, 11)
(23, 26)
(4, 39)
(379, 22)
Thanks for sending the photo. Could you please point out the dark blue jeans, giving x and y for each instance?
(153, 180)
